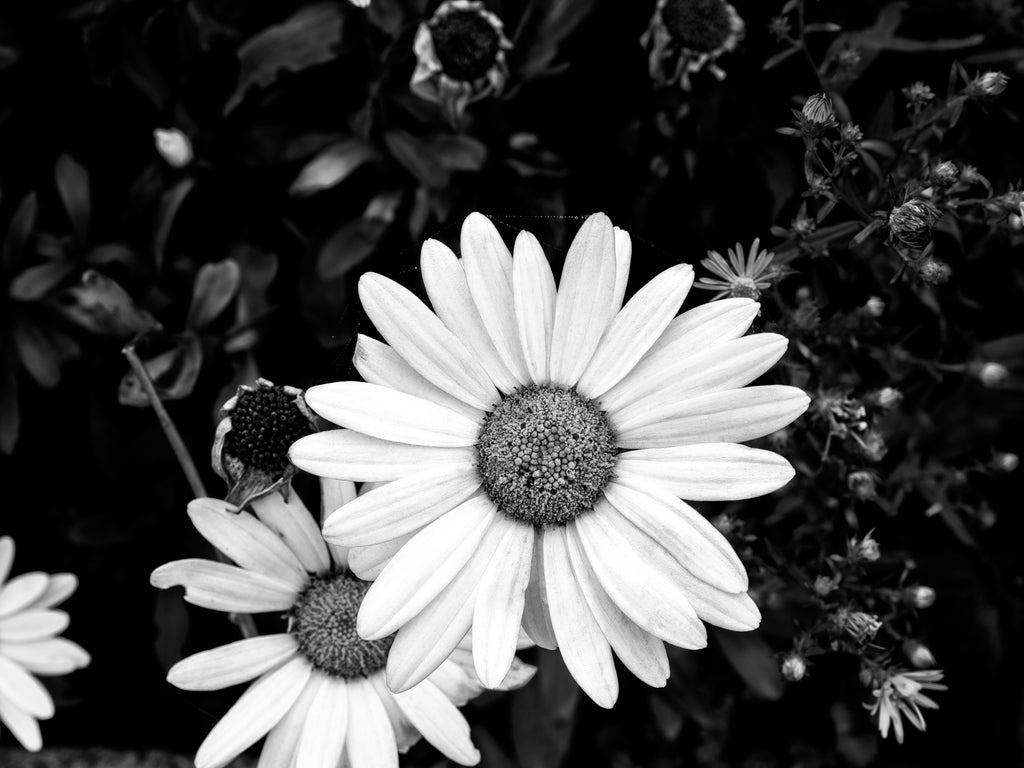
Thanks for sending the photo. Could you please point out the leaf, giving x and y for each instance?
(781, 56)
(545, 24)
(35, 282)
(174, 372)
(167, 211)
(307, 38)
(73, 186)
(544, 712)
(417, 159)
(752, 659)
(458, 152)
(907, 45)
(214, 288)
(37, 352)
(111, 252)
(332, 166)
(355, 240)
(100, 305)
(10, 415)
(18, 230)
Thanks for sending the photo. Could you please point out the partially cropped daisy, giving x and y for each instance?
(540, 440)
(744, 275)
(900, 693)
(319, 695)
(685, 36)
(29, 645)
(460, 56)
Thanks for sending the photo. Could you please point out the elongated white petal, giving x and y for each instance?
(257, 710)
(458, 681)
(371, 739)
(292, 521)
(323, 734)
(423, 568)
(440, 722)
(282, 742)
(733, 416)
(684, 532)
(60, 587)
(488, 266)
(247, 541)
(334, 494)
(730, 365)
(32, 625)
(391, 415)
(637, 585)
(643, 654)
(533, 288)
(498, 612)
(395, 509)
(584, 305)
(24, 690)
(445, 280)
(6, 557)
(348, 455)
(21, 591)
(423, 341)
(379, 364)
(368, 562)
(709, 471)
(623, 257)
(583, 646)
(223, 587)
(231, 664)
(24, 727)
(53, 656)
(635, 329)
(405, 734)
(536, 612)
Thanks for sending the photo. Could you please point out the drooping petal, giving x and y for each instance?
(534, 291)
(293, 522)
(733, 416)
(222, 587)
(53, 656)
(423, 568)
(24, 727)
(584, 305)
(323, 734)
(709, 471)
(623, 257)
(368, 562)
(231, 664)
(21, 591)
(371, 740)
(583, 646)
(32, 625)
(536, 612)
(24, 690)
(423, 341)
(440, 722)
(347, 455)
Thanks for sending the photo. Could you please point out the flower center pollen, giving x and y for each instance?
(264, 423)
(700, 25)
(323, 623)
(545, 455)
(465, 43)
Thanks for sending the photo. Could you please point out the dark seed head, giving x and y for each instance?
(264, 423)
(466, 44)
(700, 25)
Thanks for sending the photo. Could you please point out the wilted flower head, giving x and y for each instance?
(460, 56)
(744, 275)
(818, 110)
(685, 36)
(863, 484)
(945, 174)
(825, 585)
(919, 596)
(932, 271)
(899, 693)
(174, 146)
(987, 85)
(859, 625)
(851, 133)
(872, 445)
(794, 667)
(918, 654)
(991, 374)
(918, 94)
(911, 223)
(1005, 462)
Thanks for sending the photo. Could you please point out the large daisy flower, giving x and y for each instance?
(540, 441)
(319, 695)
(29, 645)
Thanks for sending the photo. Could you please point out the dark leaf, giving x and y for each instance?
(752, 659)
(545, 24)
(458, 152)
(109, 253)
(170, 202)
(171, 621)
(10, 415)
(21, 225)
(38, 353)
(354, 241)
(215, 286)
(781, 56)
(73, 185)
(417, 159)
(35, 282)
(332, 166)
(99, 305)
(173, 372)
(543, 714)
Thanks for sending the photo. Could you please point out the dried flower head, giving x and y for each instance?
(932, 271)
(945, 174)
(825, 585)
(744, 275)
(911, 223)
(987, 85)
(858, 625)
(685, 36)
(863, 484)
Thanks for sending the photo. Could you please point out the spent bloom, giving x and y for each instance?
(460, 57)
(29, 645)
(900, 693)
(859, 625)
(536, 441)
(818, 110)
(932, 271)
(744, 275)
(863, 484)
(919, 596)
(685, 36)
(174, 147)
(911, 223)
(987, 85)
(319, 690)
(945, 174)
(825, 585)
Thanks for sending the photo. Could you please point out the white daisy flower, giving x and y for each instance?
(685, 36)
(319, 696)
(743, 275)
(540, 441)
(29, 645)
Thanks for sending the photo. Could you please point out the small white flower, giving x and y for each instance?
(174, 146)
(744, 275)
(901, 693)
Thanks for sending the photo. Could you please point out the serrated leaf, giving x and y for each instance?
(332, 166)
(214, 288)
(100, 305)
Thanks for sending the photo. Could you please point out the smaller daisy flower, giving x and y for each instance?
(744, 275)
(460, 57)
(29, 645)
(685, 36)
(900, 693)
(174, 146)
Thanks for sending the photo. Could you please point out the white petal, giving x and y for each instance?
(323, 734)
(368, 562)
(635, 329)
(643, 654)
(536, 612)
(6, 557)
(378, 363)
(391, 415)
(257, 710)
(24, 690)
(231, 664)
(585, 302)
(247, 541)
(433, 715)
(623, 257)
(293, 522)
(488, 266)
(223, 587)
(405, 735)
(423, 341)
(334, 494)
(423, 568)
(21, 591)
(709, 471)
(32, 625)
(22, 725)
(733, 416)
(282, 743)
(53, 656)
(679, 528)
(395, 509)
(498, 612)
(730, 365)
(581, 642)
(445, 281)
(371, 739)
(636, 583)
(61, 587)
(348, 455)
(534, 293)
(458, 681)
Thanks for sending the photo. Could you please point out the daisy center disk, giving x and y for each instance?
(545, 455)
(323, 623)
(700, 25)
(465, 43)
(264, 424)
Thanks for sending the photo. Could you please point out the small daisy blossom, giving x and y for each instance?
(900, 693)
(29, 645)
(319, 694)
(540, 440)
(743, 275)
